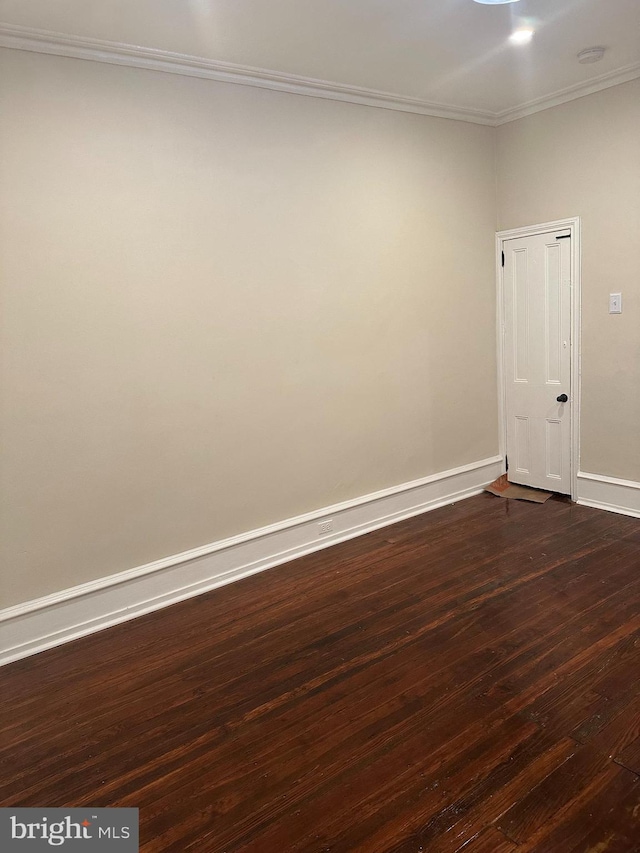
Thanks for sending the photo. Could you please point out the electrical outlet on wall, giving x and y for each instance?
(325, 527)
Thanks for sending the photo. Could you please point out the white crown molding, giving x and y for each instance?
(115, 53)
(570, 93)
(43, 623)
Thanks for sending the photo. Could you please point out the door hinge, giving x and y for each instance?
(503, 259)
(506, 462)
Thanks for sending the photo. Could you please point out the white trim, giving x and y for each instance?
(35, 40)
(573, 226)
(609, 493)
(570, 93)
(117, 53)
(55, 619)
(500, 333)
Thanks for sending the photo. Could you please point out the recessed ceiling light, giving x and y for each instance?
(591, 54)
(521, 36)
(495, 2)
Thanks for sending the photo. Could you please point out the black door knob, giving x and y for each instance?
(562, 398)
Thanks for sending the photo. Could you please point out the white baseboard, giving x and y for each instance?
(55, 619)
(622, 496)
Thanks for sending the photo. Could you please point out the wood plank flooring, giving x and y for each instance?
(465, 680)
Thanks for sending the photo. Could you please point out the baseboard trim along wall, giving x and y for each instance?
(622, 496)
(63, 616)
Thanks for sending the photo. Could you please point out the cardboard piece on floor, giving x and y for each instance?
(504, 489)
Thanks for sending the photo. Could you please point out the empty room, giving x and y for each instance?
(320, 426)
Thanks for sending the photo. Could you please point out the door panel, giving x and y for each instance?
(537, 360)
(522, 449)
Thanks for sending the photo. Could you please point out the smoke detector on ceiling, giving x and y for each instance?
(591, 54)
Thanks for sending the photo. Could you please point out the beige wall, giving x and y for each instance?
(224, 306)
(583, 159)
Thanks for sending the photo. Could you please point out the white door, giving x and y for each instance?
(537, 360)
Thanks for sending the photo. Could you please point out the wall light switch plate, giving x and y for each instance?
(615, 303)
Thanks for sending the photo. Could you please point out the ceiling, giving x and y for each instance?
(454, 53)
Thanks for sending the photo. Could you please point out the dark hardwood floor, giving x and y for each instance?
(465, 680)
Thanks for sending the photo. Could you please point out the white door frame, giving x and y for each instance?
(573, 226)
